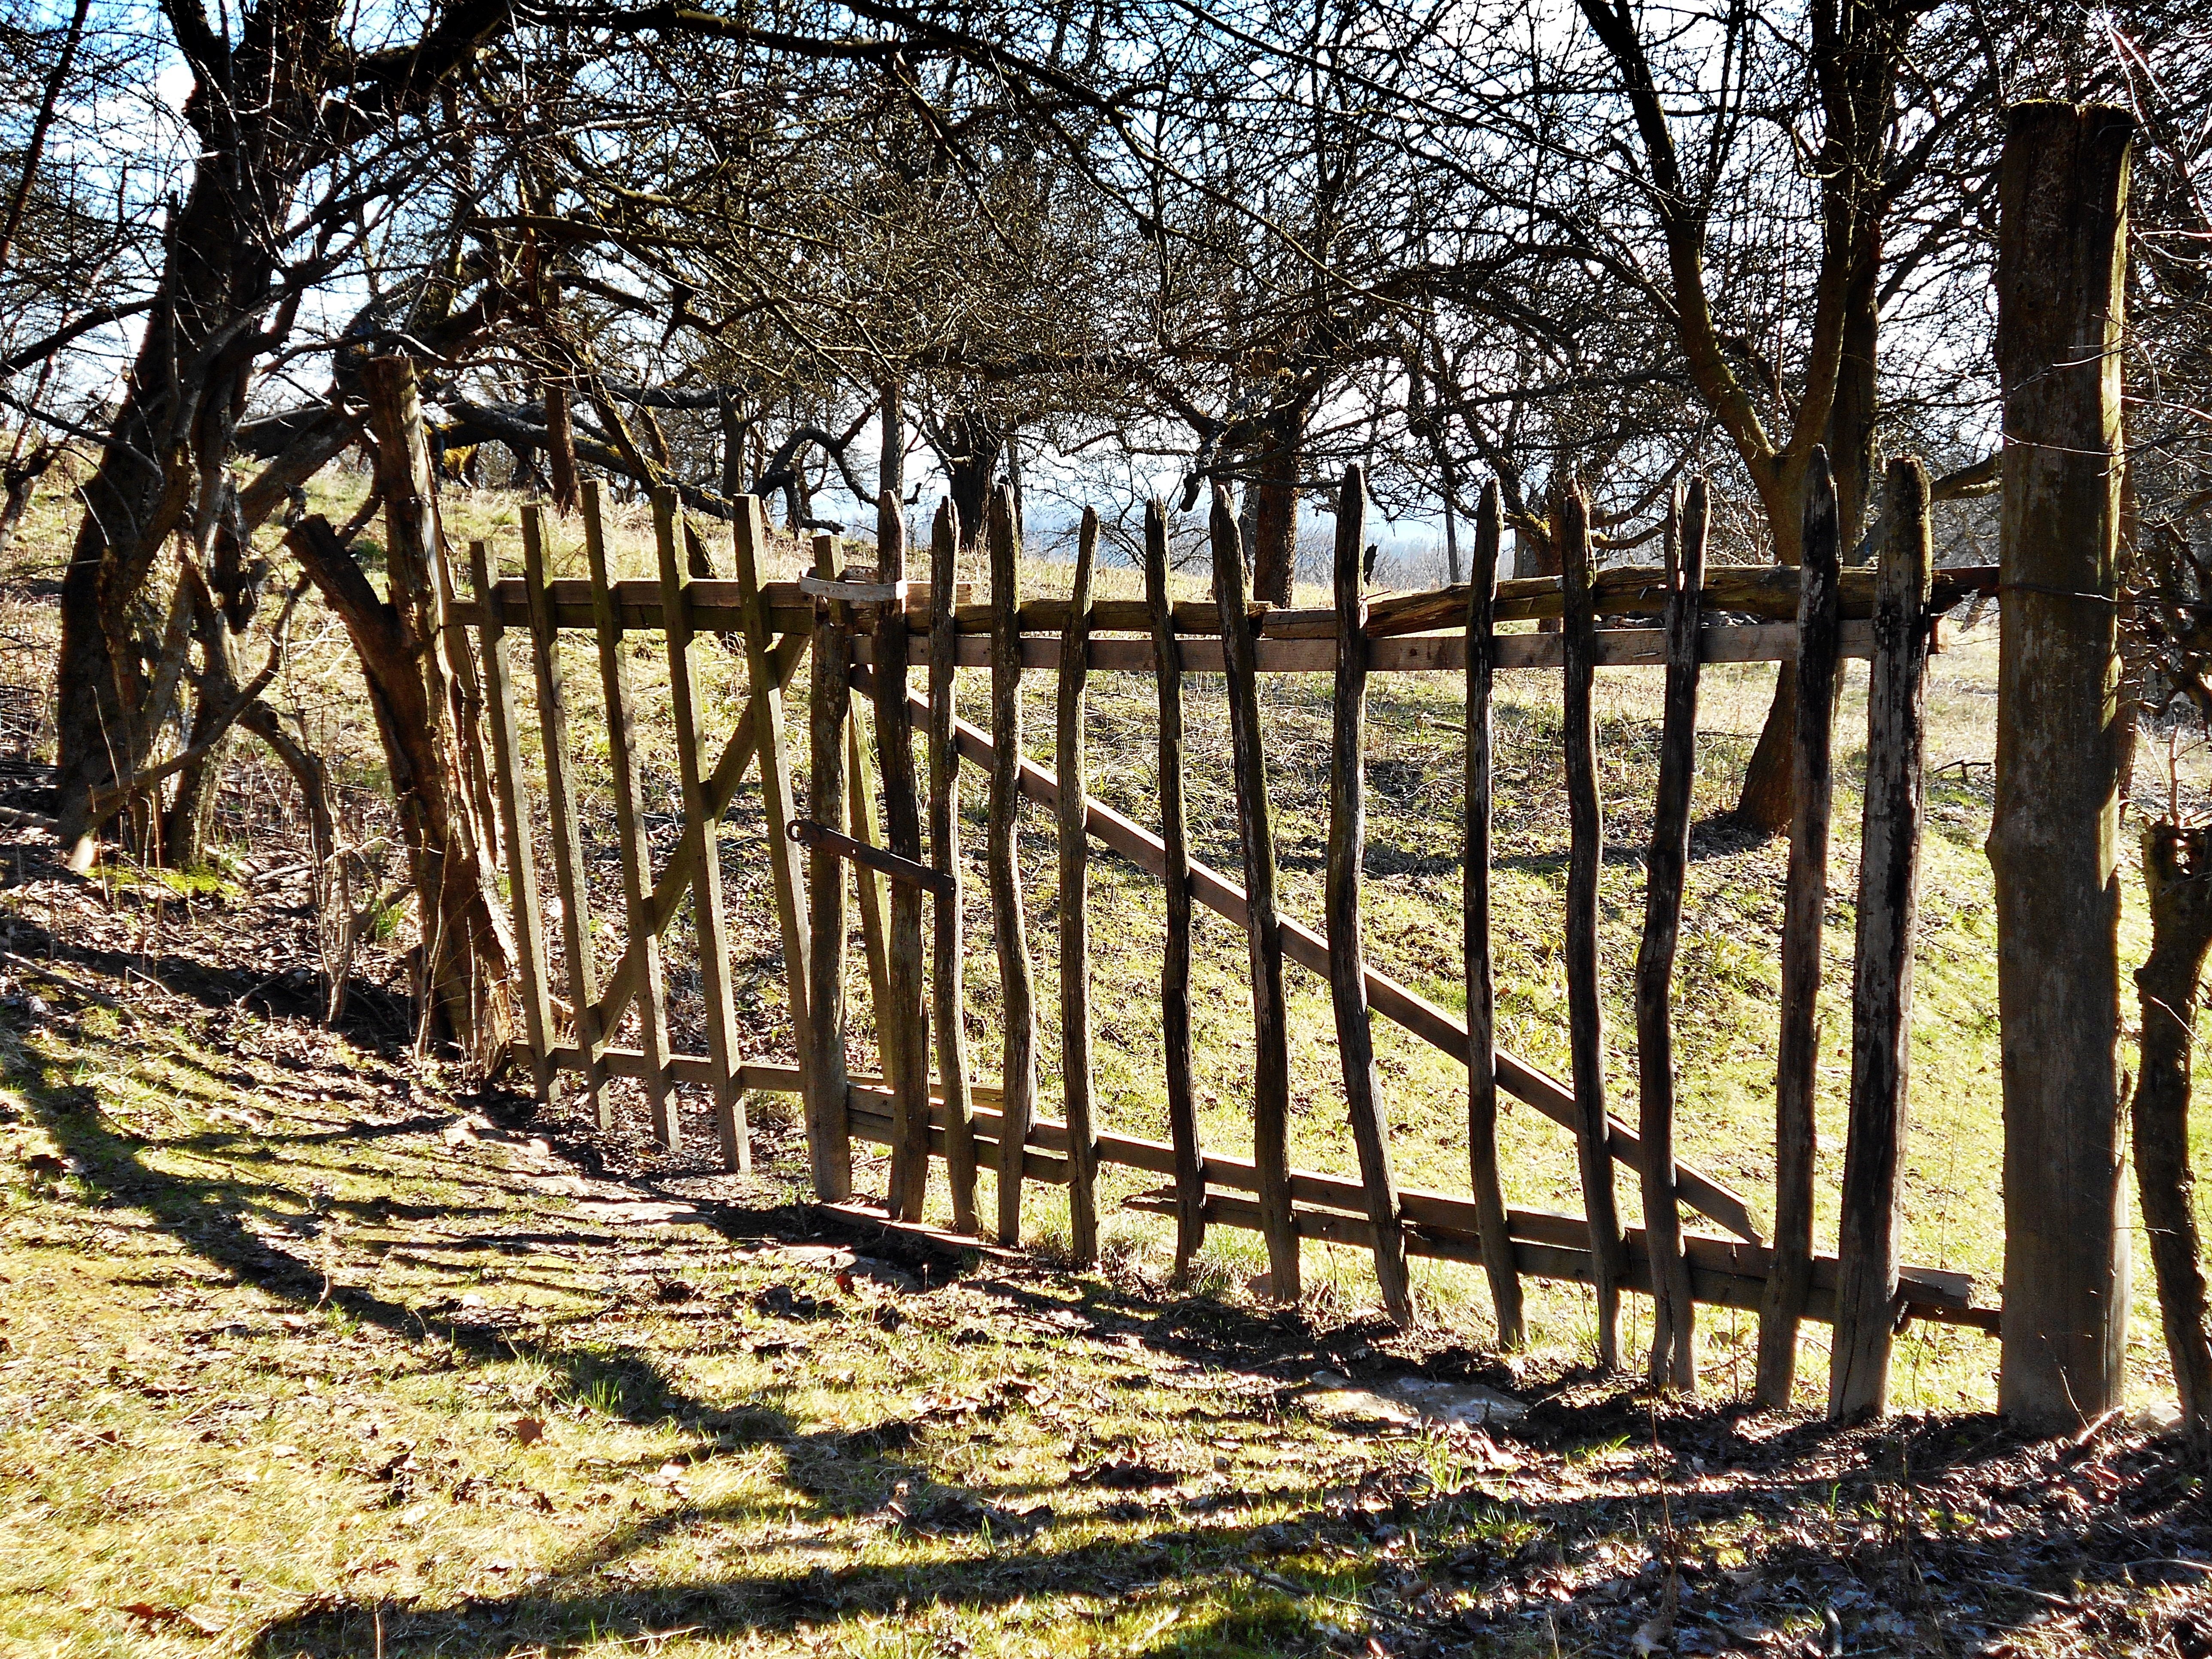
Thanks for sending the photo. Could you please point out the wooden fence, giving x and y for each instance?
(863, 633)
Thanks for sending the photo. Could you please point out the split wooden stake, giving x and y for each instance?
(1018, 992)
(514, 814)
(907, 1058)
(947, 992)
(1271, 1081)
(1174, 877)
(1074, 918)
(1674, 1336)
(828, 1138)
(1487, 1182)
(714, 990)
(1586, 845)
(592, 1030)
(1804, 907)
(630, 823)
(1866, 1255)
(1347, 855)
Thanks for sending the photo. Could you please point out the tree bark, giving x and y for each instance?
(415, 690)
(2061, 269)
(1275, 507)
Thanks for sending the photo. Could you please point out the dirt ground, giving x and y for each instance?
(307, 1348)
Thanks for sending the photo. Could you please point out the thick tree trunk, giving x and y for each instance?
(415, 687)
(2061, 252)
(2177, 873)
(1275, 496)
(561, 449)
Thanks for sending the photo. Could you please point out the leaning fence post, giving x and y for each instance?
(721, 1014)
(1174, 877)
(561, 809)
(1804, 905)
(948, 994)
(1347, 853)
(1586, 845)
(1882, 987)
(1492, 1224)
(907, 1060)
(629, 822)
(1271, 1081)
(1017, 977)
(1074, 918)
(1674, 1349)
(514, 809)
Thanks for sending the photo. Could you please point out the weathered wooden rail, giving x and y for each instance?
(862, 636)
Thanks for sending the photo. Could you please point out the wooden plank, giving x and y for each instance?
(947, 989)
(630, 823)
(1347, 854)
(1017, 990)
(1486, 1180)
(1255, 824)
(568, 869)
(1586, 851)
(514, 817)
(1174, 877)
(906, 1061)
(1673, 1344)
(1074, 848)
(1804, 907)
(1393, 1001)
(1612, 648)
(1881, 988)
(829, 1142)
(730, 1130)
(749, 539)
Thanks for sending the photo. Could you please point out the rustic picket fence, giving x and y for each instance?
(863, 634)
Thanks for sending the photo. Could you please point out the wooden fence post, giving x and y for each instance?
(1585, 855)
(1881, 982)
(1486, 1181)
(828, 1138)
(1175, 878)
(514, 811)
(1074, 917)
(568, 871)
(862, 822)
(1271, 1081)
(721, 1014)
(630, 822)
(2062, 242)
(1017, 977)
(906, 1059)
(948, 993)
(1674, 1334)
(1347, 853)
(1804, 907)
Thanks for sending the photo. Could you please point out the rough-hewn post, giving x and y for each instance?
(1271, 1054)
(2062, 237)
(906, 1061)
(1017, 975)
(1673, 1333)
(947, 992)
(1804, 912)
(1073, 776)
(1491, 1218)
(2177, 875)
(1175, 879)
(829, 1140)
(1867, 1257)
(1347, 853)
(1585, 859)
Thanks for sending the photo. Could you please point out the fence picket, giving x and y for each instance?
(1018, 992)
(948, 992)
(828, 1140)
(1074, 912)
(591, 1029)
(906, 1059)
